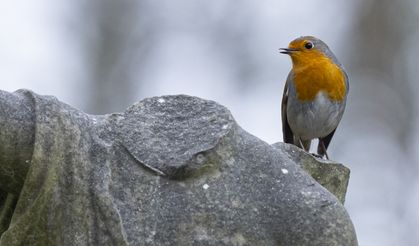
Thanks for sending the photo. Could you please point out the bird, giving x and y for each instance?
(315, 94)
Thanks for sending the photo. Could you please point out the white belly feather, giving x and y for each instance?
(314, 119)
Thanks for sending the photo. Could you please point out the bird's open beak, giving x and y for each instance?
(287, 51)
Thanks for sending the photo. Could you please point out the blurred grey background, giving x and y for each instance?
(102, 56)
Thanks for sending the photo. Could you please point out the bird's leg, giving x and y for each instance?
(302, 145)
(323, 149)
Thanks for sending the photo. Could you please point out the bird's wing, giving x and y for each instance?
(287, 134)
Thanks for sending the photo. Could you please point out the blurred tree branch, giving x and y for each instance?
(377, 43)
(117, 39)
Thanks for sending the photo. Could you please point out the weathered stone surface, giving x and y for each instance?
(174, 170)
(17, 134)
(7, 204)
(331, 175)
(179, 127)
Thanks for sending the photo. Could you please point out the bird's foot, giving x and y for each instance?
(317, 155)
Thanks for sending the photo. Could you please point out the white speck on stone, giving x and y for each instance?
(161, 100)
(284, 171)
(27, 161)
(306, 193)
(150, 237)
(200, 158)
(225, 126)
(205, 186)
(235, 203)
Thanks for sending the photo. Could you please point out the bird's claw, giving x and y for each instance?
(317, 155)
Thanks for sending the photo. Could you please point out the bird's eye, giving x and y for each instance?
(309, 45)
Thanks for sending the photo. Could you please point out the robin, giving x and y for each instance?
(314, 95)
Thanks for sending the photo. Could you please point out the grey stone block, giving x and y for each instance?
(173, 170)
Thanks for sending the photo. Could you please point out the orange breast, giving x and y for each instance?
(319, 74)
